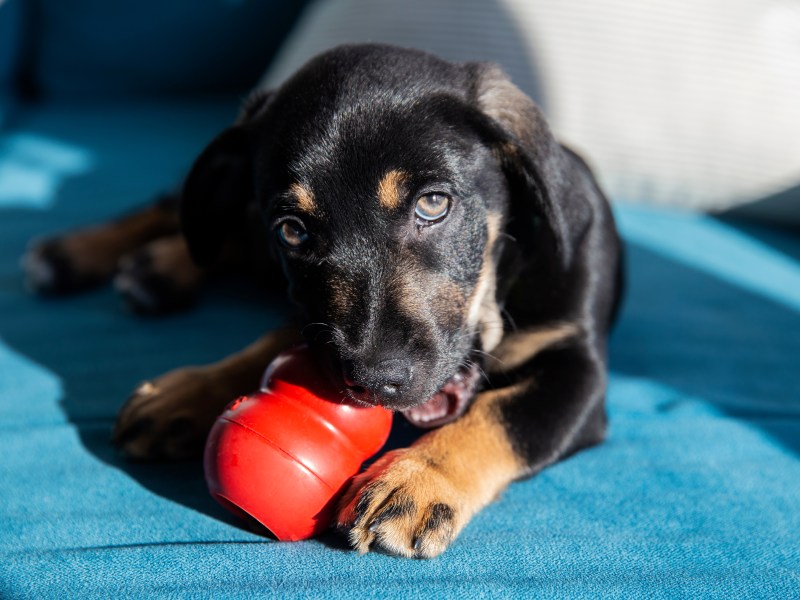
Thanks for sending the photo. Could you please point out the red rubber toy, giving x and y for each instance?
(283, 455)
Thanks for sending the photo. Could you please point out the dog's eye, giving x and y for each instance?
(432, 207)
(292, 233)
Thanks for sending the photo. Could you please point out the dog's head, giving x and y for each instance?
(390, 183)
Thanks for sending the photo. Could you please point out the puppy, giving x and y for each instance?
(449, 260)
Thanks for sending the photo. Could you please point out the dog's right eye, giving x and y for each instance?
(292, 233)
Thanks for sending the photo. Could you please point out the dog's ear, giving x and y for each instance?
(219, 187)
(215, 194)
(546, 187)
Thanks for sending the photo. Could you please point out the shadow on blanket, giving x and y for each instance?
(714, 311)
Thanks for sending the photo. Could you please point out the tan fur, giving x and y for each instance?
(304, 197)
(504, 102)
(448, 300)
(412, 290)
(418, 294)
(342, 297)
(464, 465)
(408, 295)
(519, 346)
(483, 312)
(390, 189)
(196, 396)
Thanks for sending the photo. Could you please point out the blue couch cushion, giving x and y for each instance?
(695, 494)
(11, 28)
(125, 47)
(10, 39)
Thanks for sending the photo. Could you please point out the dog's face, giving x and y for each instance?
(385, 207)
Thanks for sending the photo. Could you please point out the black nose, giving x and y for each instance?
(378, 382)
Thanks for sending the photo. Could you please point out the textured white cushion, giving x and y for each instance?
(685, 102)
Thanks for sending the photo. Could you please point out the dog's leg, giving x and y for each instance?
(170, 416)
(413, 502)
(159, 277)
(81, 259)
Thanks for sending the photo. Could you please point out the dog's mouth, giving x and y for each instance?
(449, 402)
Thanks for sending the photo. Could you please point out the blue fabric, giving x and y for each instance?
(695, 494)
(10, 39)
(96, 47)
(11, 20)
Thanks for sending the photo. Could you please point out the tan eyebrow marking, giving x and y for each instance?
(390, 189)
(304, 197)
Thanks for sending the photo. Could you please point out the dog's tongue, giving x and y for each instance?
(448, 403)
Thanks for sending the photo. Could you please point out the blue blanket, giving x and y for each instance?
(695, 494)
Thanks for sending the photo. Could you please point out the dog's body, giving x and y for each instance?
(431, 231)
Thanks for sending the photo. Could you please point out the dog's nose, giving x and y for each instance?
(382, 381)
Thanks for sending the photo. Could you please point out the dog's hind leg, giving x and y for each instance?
(86, 257)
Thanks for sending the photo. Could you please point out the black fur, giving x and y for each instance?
(337, 127)
(377, 288)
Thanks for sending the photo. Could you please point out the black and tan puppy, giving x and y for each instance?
(449, 258)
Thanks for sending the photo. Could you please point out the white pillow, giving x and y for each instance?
(693, 103)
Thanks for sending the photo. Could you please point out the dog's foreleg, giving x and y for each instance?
(414, 502)
(170, 416)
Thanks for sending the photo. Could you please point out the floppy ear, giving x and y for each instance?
(219, 187)
(547, 186)
(215, 194)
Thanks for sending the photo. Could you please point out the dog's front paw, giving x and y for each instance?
(66, 264)
(169, 417)
(404, 504)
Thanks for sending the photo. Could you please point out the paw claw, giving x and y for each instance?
(146, 388)
(361, 540)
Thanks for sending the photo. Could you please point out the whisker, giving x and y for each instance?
(324, 325)
(510, 319)
(509, 236)
(470, 364)
(488, 355)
